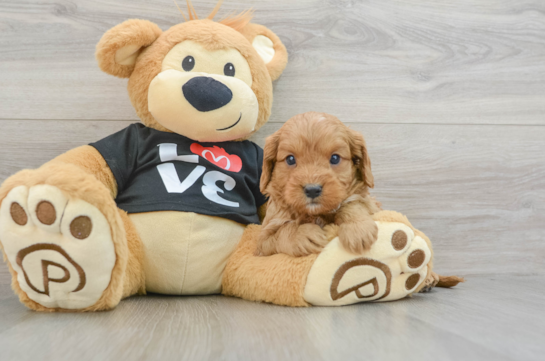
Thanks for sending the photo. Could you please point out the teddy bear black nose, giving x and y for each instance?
(313, 190)
(206, 94)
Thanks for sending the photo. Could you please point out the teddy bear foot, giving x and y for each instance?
(395, 267)
(60, 248)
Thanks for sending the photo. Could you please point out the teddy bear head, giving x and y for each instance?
(209, 81)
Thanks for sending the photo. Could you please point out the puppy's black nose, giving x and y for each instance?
(206, 94)
(313, 190)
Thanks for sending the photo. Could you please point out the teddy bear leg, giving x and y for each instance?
(134, 281)
(396, 266)
(278, 279)
(432, 279)
(64, 241)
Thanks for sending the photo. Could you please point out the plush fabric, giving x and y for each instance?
(284, 280)
(135, 277)
(212, 36)
(185, 253)
(70, 179)
(119, 47)
(387, 271)
(163, 104)
(173, 252)
(278, 279)
(278, 63)
(136, 49)
(392, 216)
(63, 251)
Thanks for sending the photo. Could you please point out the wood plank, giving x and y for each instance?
(477, 191)
(375, 61)
(498, 318)
(5, 277)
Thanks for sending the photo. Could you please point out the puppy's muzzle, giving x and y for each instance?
(313, 190)
(206, 94)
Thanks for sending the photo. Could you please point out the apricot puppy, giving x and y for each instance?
(316, 172)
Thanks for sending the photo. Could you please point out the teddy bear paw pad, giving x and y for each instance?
(61, 248)
(393, 268)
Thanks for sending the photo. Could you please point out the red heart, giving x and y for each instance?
(218, 156)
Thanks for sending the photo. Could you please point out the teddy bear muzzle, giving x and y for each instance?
(202, 106)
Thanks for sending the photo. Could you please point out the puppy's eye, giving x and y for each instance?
(335, 159)
(188, 63)
(229, 69)
(290, 160)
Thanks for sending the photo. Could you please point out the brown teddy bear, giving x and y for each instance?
(164, 206)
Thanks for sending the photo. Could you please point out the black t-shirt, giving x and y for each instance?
(160, 171)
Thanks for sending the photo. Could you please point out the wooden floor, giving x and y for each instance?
(488, 318)
(450, 96)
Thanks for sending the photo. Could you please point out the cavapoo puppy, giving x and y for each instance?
(316, 172)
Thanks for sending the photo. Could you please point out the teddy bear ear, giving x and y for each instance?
(119, 47)
(268, 46)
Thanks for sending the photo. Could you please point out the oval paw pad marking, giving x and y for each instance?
(412, 281)
(81, 227)
(18, 214)
(45, 212)
(45, 267)
(399, 240)
(416, 258)
(335, 294)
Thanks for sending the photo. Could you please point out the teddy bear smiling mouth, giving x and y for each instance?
(232, 125)
(117, 218)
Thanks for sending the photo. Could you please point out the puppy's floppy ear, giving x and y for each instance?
(360, 157)
(119, 47)
(268, 46)
(269, 160)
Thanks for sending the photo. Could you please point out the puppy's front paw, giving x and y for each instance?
(358, 237)
(310, 238)
(332, 231)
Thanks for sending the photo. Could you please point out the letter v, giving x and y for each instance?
(170, 178)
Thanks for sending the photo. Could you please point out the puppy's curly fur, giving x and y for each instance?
(316, 172)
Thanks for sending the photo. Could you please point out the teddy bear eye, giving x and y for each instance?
(335, 159)
(229, 69)
(188, 63)
(290, 160)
